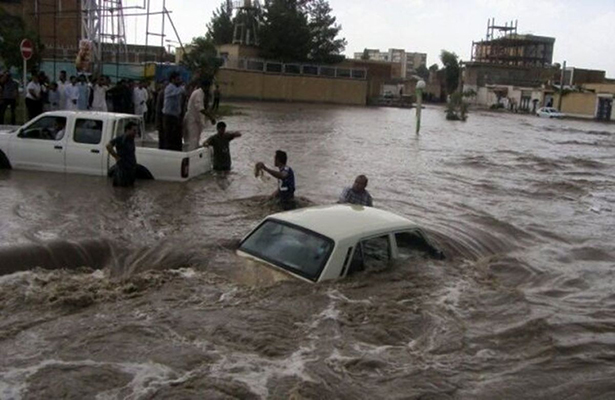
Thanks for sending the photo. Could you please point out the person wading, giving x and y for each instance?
(285, 193)
(220, 143)
(122, 148)
(356, 194)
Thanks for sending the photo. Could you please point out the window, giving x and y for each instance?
(121, 123)
(88, 131)
(46, 128)
(413, 243)
(295, 249)
(371, 252)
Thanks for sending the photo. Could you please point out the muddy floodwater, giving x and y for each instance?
(143, 297)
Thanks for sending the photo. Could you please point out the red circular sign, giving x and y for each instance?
(27, 49)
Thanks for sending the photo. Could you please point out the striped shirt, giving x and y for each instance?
(350, 196)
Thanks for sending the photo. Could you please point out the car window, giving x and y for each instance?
(88, 131)
(121, 123)
(414, 243)
(293, 248)
(370, 252)
(46, 128)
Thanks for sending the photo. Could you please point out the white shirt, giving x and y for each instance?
(36, 88)
(62, 92)
(139, 99)
(99, 101)
(71, 93)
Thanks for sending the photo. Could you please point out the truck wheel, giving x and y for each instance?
(4, 161)
(143, 173)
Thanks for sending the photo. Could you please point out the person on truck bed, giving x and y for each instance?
(172, 110)
(122, 148)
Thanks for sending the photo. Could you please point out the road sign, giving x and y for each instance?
(27, 49)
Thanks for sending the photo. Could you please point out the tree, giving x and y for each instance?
(285, 34)
(202, 59)
(434, 68)
(423, 72)
(325, 45)
(12, 32)
(452, 71)
(220, 28)
(365, 55)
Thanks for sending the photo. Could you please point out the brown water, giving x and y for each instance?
(523, 306)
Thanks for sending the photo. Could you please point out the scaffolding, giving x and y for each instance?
(101, 24)
(504, 46)
(246, 21)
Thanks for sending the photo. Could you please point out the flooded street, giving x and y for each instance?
(149, 300)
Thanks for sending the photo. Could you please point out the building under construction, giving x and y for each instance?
(504, 45)
(64, 25)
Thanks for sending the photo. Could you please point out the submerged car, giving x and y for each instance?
(322, 243)
(549, 112)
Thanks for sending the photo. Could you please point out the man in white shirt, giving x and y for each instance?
(62, 85)
(71, 94)
(34, 102)
(139, 99)
(99, 99)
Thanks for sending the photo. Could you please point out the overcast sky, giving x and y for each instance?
(584, 30)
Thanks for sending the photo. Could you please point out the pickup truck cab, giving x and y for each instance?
(322, 243)
(74, 142)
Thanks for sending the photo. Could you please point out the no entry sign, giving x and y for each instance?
(27, 49)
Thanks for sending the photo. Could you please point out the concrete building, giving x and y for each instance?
(405, 63)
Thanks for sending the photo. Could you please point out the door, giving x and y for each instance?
(40, 145)
(84, 154)
(373, 252)
(605, 106)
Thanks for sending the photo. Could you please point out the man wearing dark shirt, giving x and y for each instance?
(285, 193)
(122, 148)
(220, 143)
(8, 96)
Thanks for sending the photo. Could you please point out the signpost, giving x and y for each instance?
(27, 50)
(420, 85)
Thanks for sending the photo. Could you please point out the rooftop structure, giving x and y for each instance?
(504, 45)
(408, 62)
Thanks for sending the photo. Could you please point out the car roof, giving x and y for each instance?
(344, 221)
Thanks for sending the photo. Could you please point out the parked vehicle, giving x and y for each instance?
(80, 148)
(549, 112)
(321, 243)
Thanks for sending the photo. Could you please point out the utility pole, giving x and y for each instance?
(561, 88)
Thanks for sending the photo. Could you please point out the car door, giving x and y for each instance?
(84, 153)
(35, 147)
(371, 252)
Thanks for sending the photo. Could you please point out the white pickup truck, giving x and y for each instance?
(42, 144)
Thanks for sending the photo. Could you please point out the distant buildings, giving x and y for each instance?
(405, 63)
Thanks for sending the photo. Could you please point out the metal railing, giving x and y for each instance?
(276, 67)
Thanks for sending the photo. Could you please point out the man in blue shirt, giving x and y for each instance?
(285, 193)
(356, 194)
(171, 114)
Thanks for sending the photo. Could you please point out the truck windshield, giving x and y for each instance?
(295, 249)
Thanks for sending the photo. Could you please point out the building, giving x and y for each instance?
(404, 63)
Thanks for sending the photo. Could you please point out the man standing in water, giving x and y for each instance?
(124, 154)
(285, 193)
(356, 194)
(220, 143)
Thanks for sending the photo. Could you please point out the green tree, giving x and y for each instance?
(423, 72)
(434, 68)
(220, 28)
(285, 33)
(325, 45)
(202, 58)
(12, 32)
(452, 71)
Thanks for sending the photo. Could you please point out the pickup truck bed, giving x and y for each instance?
(40, 145)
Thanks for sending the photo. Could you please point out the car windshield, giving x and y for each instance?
(295, 249)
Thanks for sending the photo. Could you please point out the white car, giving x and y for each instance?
(322, 243)
(549, 112)
(74, 142)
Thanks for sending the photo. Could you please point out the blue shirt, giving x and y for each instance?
(286, 186)
(173, 96)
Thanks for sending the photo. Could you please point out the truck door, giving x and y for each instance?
(84, 153)
(41, 145)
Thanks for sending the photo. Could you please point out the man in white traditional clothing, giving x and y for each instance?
(71, 94)
(62, 85)
(195, 117)
(139, 99)
(99, 96)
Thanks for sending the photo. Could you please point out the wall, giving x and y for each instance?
(577, 104)
(601, 87)
(263, 86)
